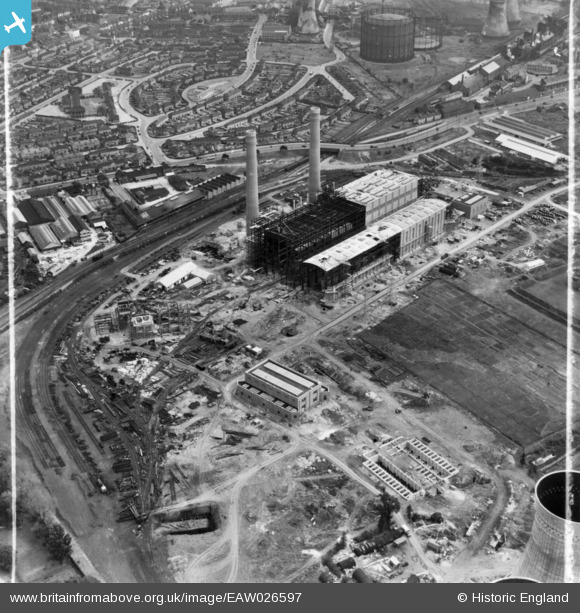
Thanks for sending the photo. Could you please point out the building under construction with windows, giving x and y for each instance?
(281, 245)
(361, 256)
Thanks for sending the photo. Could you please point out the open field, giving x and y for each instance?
(510, 376)
(293, 53)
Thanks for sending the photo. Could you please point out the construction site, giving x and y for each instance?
(321, 399)
(345, 373)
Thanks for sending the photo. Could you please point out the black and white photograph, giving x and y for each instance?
(289, 294)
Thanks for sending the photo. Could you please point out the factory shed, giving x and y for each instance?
(381, 192)
(531, 150)
(55, 206)
(280, 389)
(525, 131)
(44, 237)
(64, 230)
(177, 275)
(35, 212)
(361, 255)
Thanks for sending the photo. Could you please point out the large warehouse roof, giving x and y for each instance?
(35, 212)
(370, 187)
(44, 237)
(534, 151)
(283, 378)
(513, 124)
(177, 274)
(63, 229)
(379, 232)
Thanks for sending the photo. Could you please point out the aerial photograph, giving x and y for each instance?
(289, 292)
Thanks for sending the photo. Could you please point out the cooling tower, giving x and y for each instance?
(252, 202)
(308, 22)
(513, 13)
(314, 169)
(496, 23)
(544, 556)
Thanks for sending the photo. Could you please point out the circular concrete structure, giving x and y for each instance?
(556, 520)
(387, 36)
(516, 580)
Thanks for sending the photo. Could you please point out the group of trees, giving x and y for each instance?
(50, 533)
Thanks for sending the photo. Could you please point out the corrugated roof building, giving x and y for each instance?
(64, 230)
(44, 237)
(35, 212)
(530, 149)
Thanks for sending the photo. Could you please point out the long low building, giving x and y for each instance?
(513, 126)
(531, 150)
(183, 273)
(280, 390)
(361, 255)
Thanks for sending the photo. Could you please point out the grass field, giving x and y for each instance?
(295, 53)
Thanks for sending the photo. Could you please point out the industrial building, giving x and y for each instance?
(35, 212)
(409, 468)
(387, 35)
(141, 326)
(362, 255)
(471, 205)
(520, 129)
(281, 390)
(44, 237)
(64, 230)
(282, 244)
(381, 192)
(181, 274)
(556, 520)
(531, 150)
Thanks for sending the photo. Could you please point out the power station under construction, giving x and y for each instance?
(552, 554)
(328, 244)
(391, 34)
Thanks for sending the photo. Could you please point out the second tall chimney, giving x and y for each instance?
(314, 169)
(252, 201)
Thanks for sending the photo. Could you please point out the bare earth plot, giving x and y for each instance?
(507, 374)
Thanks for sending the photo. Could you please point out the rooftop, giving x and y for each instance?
(513, 123)
(535, 151)
(283, 377)
(372, 186)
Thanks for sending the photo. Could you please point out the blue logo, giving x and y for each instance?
(15, 22)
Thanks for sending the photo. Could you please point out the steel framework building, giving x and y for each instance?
(387, 35)
(281, 245)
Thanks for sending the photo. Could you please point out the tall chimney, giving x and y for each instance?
(556, 524)
(252, 203)
(496, 23)
(314, 176)
(513, 13)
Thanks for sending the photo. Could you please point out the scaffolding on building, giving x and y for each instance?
(282, 244)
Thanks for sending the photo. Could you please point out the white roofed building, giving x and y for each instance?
(381, 193)
(183, 273)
